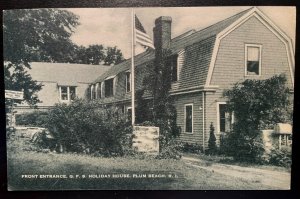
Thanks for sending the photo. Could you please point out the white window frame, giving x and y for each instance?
(68, 93)
(114, 85)
(92, 87)
(190, 104)
(218, 116)
(127, 108)
(127, 91)
(246, 58)
(101, 89)
(96, 90)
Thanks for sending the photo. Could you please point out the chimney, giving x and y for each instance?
(162, 33)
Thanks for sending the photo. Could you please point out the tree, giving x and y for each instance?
(257, 105)
(158, 83)
(113, 56)
(95, 55)
(34, 35)
(212, 147)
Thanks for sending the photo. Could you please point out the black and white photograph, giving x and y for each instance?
(149, 98)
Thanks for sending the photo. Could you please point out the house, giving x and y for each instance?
(204, 63)
(62, 82)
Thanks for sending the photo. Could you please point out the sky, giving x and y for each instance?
(112, 26)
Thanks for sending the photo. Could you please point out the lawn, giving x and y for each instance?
(30, 170)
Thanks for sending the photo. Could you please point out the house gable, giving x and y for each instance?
(268, 25)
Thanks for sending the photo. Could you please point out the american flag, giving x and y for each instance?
(141, 36)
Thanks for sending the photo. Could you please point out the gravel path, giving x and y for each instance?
(275, 179)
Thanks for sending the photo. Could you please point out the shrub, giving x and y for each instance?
(90, 127)
(212, 147)
(36, 118)
(186, 147)
(244, 147)
(170, 152)
(10, 132)
(281, 157)
(257, 104)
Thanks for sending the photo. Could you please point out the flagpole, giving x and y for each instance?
(132, 69)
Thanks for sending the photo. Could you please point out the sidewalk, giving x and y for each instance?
(276, 179)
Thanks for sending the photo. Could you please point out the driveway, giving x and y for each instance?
(276, 179)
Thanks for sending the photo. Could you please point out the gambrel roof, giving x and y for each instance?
(177, 44)
(211, 36)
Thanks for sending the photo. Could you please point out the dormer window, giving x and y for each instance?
(93, 92)
(128, 82)
(172, 63)
(109, 87)
(252, 59)
(98, 90)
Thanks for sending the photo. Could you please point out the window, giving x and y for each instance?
(93, 92)
(67, 93)
(64, 93)
(225, 119)
(98, 90)
(109, 87)
(72, 92)
(172, 63)
(253, 59)
(129, 113)
(188, 118)
(128, 81)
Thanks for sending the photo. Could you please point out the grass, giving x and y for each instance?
(21, 161)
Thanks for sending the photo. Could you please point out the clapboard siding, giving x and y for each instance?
(230, 60)
(196, 100)
(211, 100)
(230, 64)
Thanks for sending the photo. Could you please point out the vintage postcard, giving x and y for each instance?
(149, 98)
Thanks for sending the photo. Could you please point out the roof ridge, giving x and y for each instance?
(215, 24)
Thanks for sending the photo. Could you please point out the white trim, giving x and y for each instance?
(59, 89)
(101, 89)
(218, 116)
(191, 104)
(62, 100)
(212, 62)
(96, 90)
(114, 85)
(126, 114)
(92, 87)
(246, 58)
(68, 93)
(203, 121)
(269, 24)
(180, 53)
(110, 77)
(128, 107)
